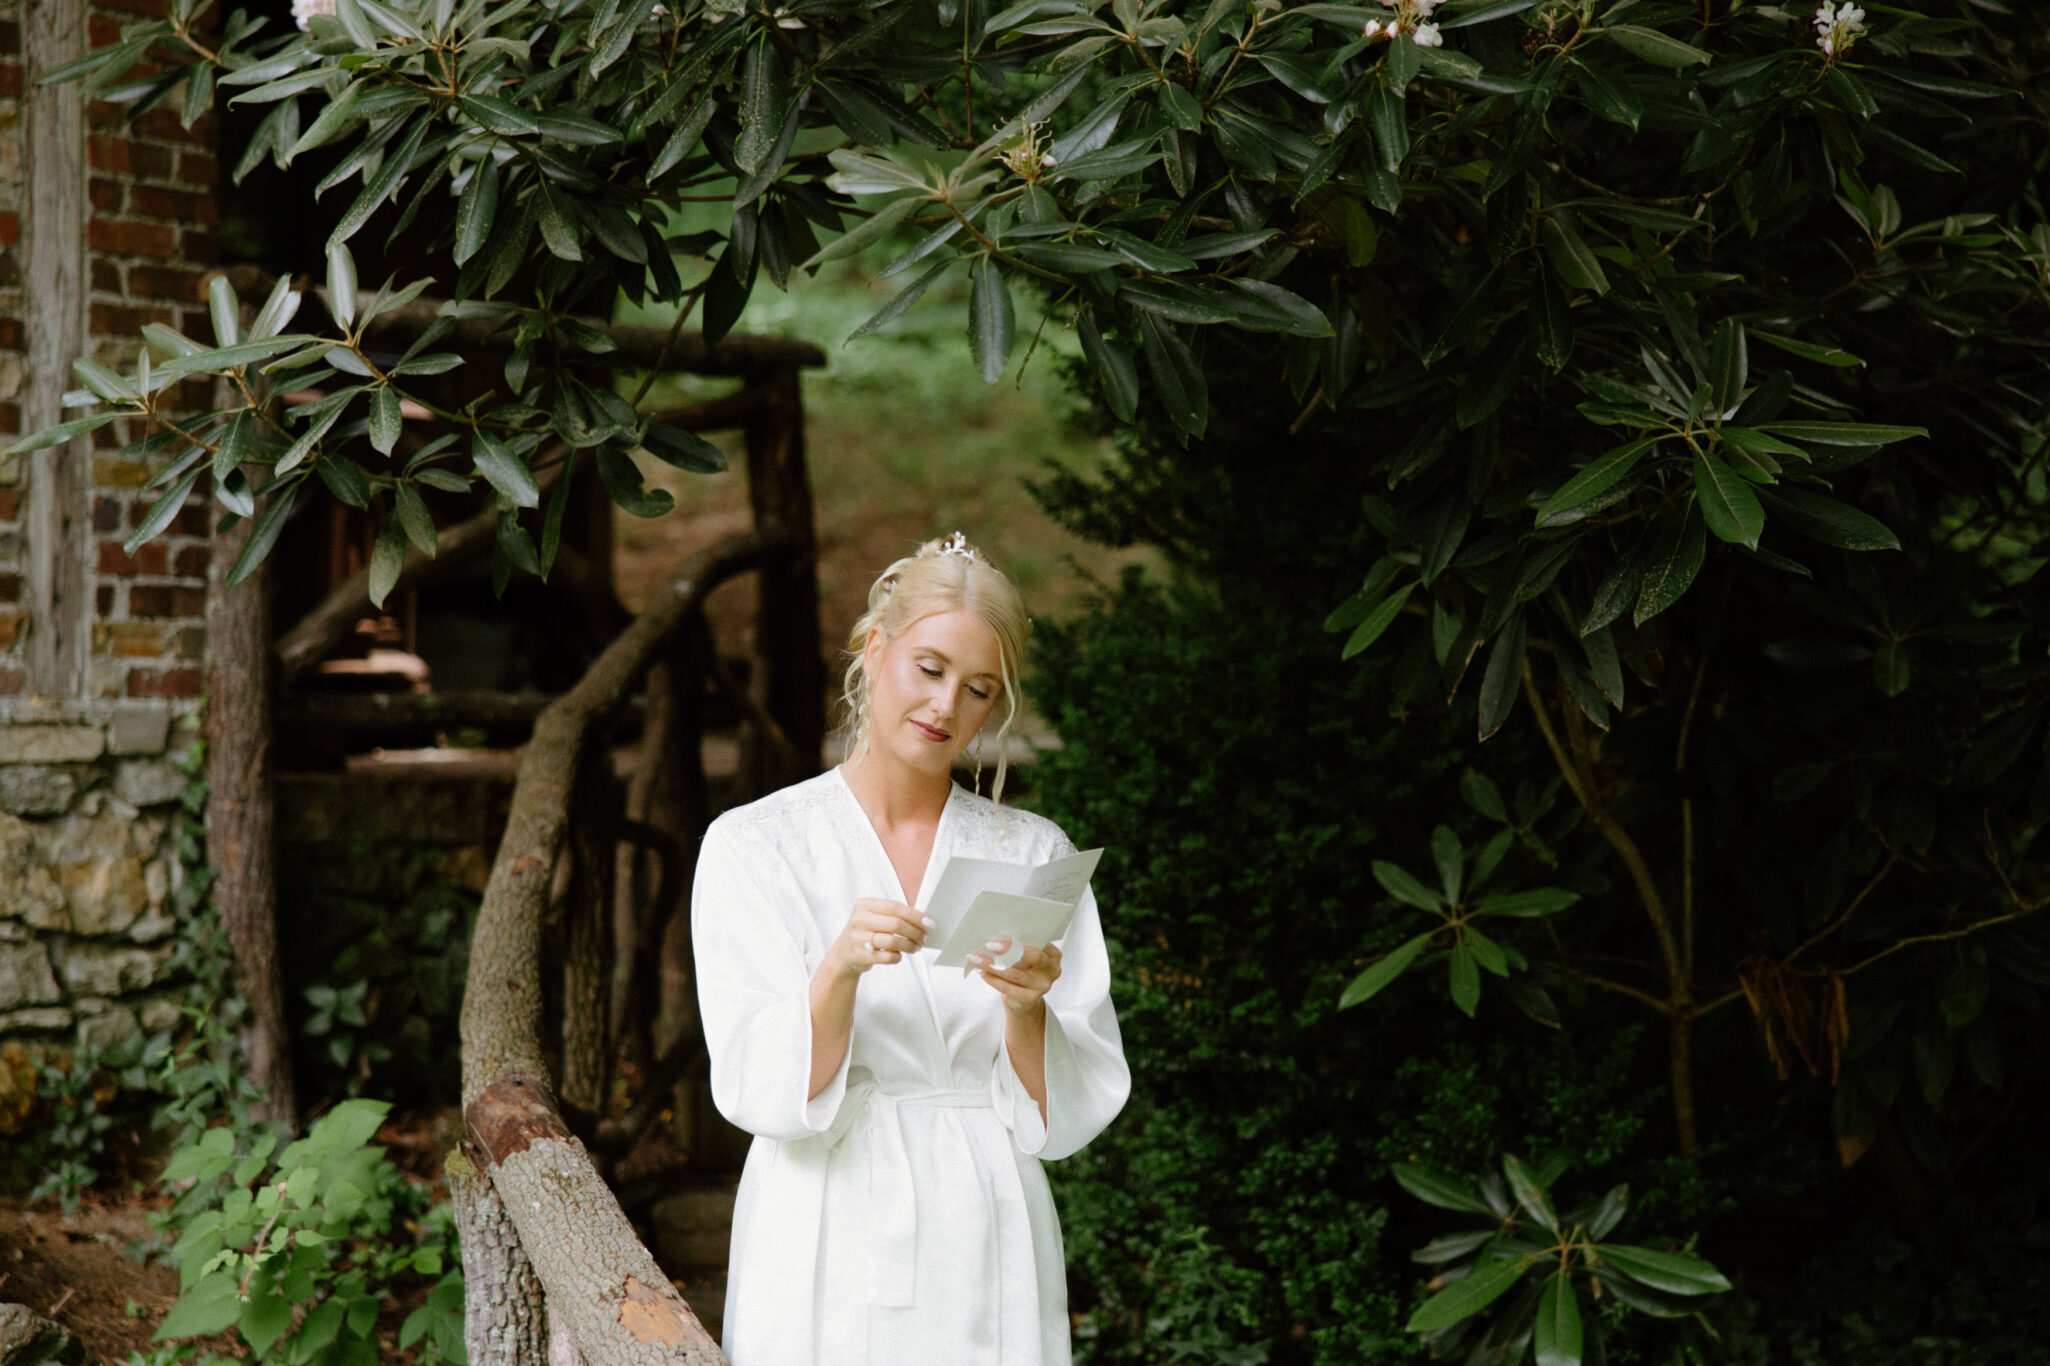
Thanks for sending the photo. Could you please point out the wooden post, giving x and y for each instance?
(586, 1061)
(789, 672)
(53, 308)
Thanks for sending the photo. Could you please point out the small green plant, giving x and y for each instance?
(298, 1250)
(339, 1016)
(1518, 1242)
(70, 1146)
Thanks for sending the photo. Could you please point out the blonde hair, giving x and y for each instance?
(943, 575)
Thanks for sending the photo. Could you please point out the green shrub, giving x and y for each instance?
(1238, 1210)
(299, 1250)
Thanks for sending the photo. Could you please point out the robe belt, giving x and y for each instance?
(892, 1188)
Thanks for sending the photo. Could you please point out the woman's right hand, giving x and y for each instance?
(879, 931)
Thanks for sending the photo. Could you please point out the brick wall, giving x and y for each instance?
(89, 797)
(150, 242)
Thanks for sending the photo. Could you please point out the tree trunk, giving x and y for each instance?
(239, 814)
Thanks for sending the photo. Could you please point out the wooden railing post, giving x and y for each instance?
(789, 673)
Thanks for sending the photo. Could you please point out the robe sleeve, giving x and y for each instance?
(754, 994)
(1087, 1079)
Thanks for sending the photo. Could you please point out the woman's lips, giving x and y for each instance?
(936, 736)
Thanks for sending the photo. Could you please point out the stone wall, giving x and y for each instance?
(89, 812)
(88, 793)
(149, 244)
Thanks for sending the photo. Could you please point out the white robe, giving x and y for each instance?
(900, 1216)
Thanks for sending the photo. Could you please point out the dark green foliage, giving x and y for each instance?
(1237, 1210)
(1225, 1206)
(376, 981)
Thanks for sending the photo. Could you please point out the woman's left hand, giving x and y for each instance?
(1025, 983)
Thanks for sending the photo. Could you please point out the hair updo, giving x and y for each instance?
(943, 575)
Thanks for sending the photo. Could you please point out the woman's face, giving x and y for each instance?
(932, 688)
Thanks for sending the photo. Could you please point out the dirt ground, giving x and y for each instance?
(78, 1273)
(88, 1272)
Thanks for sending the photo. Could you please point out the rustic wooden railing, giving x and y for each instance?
(588, 878)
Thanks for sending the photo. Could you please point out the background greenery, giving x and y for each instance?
(1649, 386)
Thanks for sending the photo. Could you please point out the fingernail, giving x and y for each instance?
(977, 959)
(928, 921)
(996, 946)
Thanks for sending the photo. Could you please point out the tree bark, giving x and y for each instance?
(599, 1280)
(603, 1285)
(586, 1060)
(502, 1310)
(240, 818)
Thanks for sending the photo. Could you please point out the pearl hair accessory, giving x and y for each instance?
(957, 544)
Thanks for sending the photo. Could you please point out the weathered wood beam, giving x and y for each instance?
(329, 624)
(599, 1280)
(362, 715)
(53, 315)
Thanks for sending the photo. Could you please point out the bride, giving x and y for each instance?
(893, 1210)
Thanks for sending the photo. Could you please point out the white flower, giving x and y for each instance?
(304, 10)
(1372, 30)
(1837, 27)
(1427, 35)
(1423, 8)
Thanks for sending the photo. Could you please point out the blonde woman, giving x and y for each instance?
(893, 1210)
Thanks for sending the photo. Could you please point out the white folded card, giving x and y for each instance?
(977, 900)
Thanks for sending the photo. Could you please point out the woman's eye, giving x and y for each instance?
(980, 695)
(928, 671)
